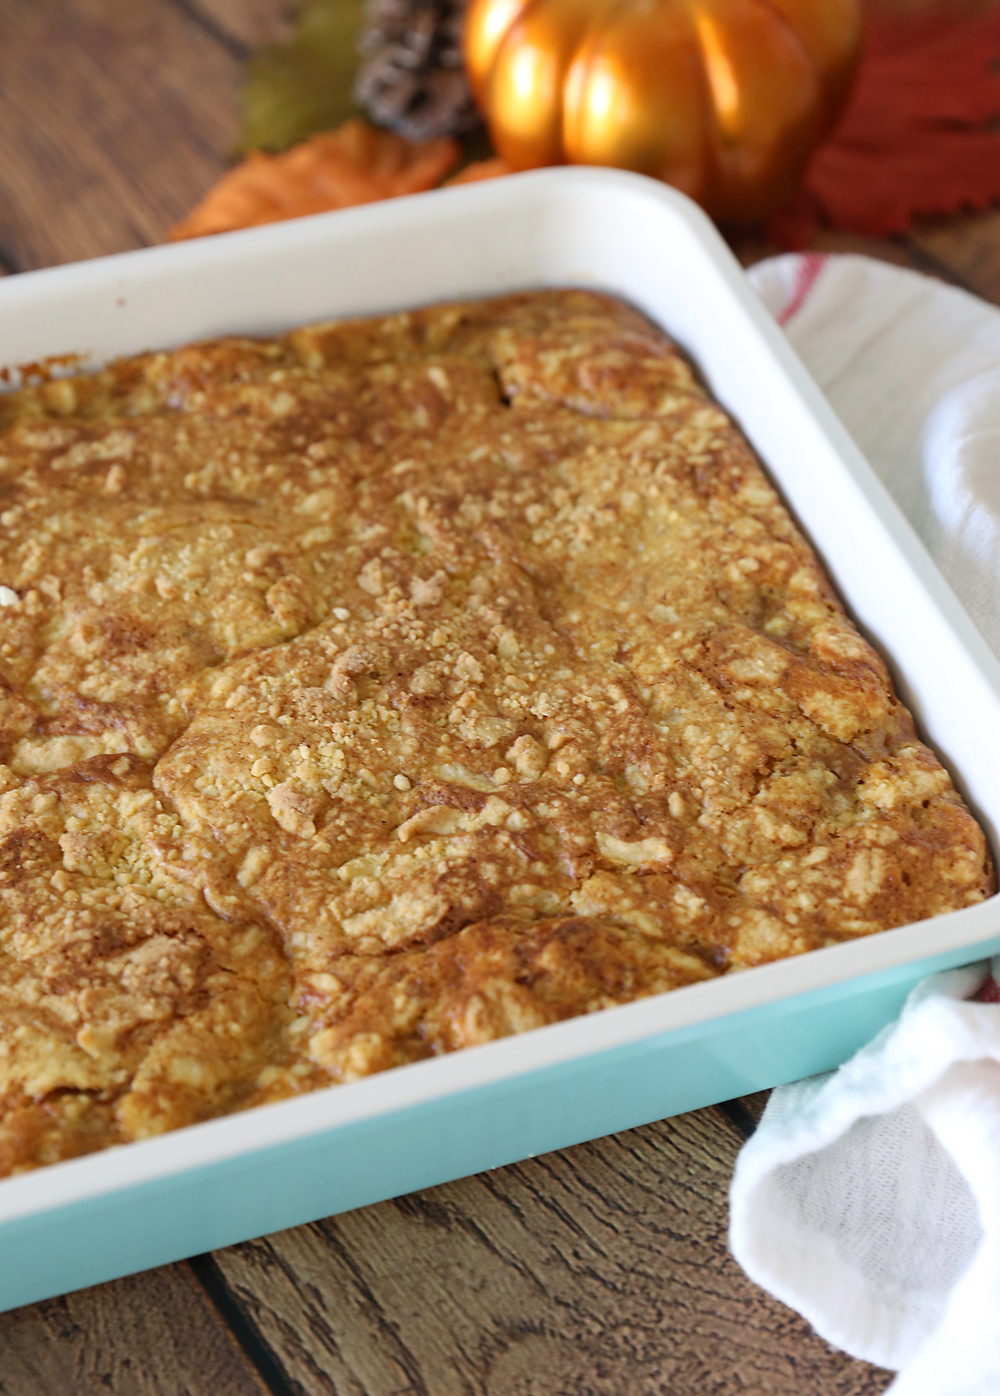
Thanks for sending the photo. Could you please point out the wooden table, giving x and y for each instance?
(598, 1271)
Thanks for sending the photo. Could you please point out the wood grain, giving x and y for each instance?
(601, 1270)
(969, 248)
(155, 1334)
(111, 132)
(970, 259)
(751, 246)
(247, 24)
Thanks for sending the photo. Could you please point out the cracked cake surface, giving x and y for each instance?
(398, 684)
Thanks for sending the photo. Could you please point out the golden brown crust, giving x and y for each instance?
(403, 683)
(486, 981)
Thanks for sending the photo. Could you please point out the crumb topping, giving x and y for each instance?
(400, 684)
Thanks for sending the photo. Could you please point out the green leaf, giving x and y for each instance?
(305, 85)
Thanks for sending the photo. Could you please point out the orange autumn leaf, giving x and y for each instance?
(481, 169)
(919, 135)
(355, 164)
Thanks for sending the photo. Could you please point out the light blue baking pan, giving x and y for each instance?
(95, 1218)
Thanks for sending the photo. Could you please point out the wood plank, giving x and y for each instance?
(113, 131)
(968, 248)
(247, 23)
(751, 246)
(155, 1334)
(601, 1269)
(745, 1112)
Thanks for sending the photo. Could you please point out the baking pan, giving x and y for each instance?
(210, 1185)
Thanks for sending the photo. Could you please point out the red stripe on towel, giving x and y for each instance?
(808, 270)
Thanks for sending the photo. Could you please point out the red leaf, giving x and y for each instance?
(916, 136)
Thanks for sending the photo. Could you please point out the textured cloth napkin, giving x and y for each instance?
(869, 1199)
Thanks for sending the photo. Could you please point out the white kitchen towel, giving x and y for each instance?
(869, 1199)
(912, 368)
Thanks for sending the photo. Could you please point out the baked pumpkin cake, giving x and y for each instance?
(399, 684)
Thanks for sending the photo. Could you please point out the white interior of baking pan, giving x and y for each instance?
(564, 227)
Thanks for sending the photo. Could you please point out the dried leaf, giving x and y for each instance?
(478, 170)
(305, 85)
(356, 164)
(918, 135)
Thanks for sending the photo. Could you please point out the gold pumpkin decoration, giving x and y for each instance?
(725, 99)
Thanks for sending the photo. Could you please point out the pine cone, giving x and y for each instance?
(411, 78)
